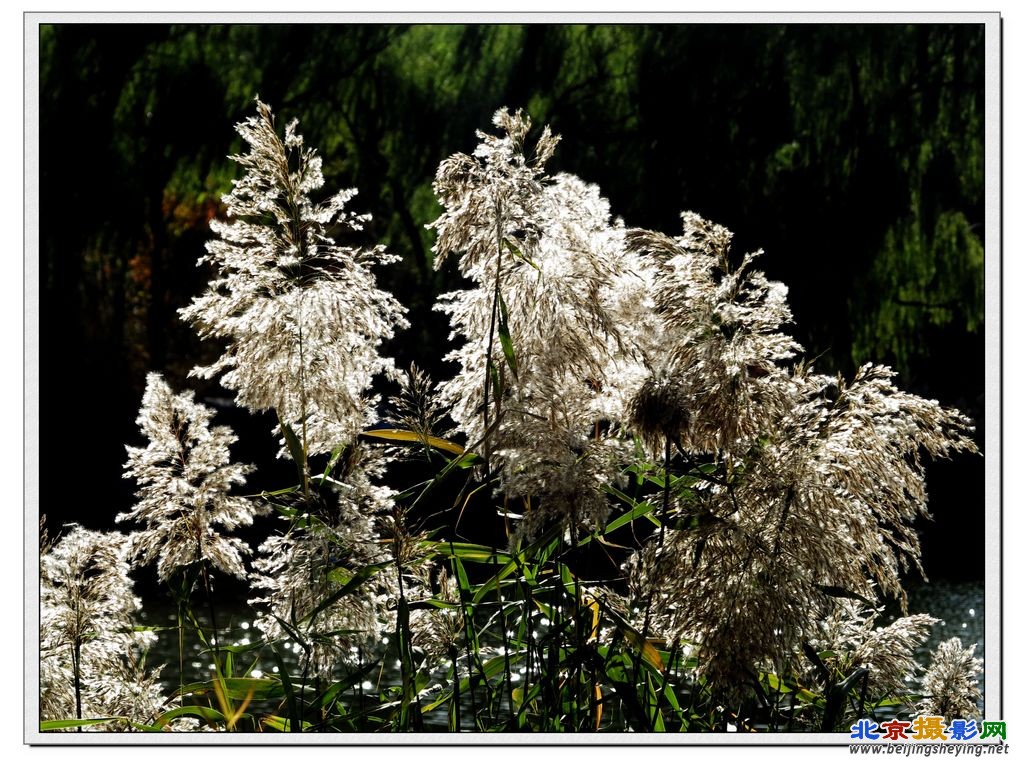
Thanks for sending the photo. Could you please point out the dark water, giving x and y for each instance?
(959, 607)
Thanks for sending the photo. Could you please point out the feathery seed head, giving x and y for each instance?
(185, 478)
(302, 315)
(87, 606)
(950, 683)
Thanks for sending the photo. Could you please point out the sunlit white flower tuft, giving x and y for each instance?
(720, 346)
(545, 357)
(322, 552)
(849, 638)
(950, 683)
(87, 606)
(438, 630)
(185, 478)
(302, 315)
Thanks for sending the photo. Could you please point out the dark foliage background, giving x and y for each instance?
(852, 154)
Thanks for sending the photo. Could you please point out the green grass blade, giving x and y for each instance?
(286, 683)
(57, 725)
(294, 447)
(206, 714)
(357, 579)
(408, 436)
(239, 688)
(506, 338)
(284, 724)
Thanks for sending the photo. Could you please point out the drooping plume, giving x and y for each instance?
(813, 484)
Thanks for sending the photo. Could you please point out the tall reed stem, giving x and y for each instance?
(76, 667)
(456, 716)
(499, 237)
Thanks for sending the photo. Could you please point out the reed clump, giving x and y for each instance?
(696, 526)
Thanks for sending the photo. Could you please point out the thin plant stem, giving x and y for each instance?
(473, 656)
(505, 645)
(663, 518)
(470, 655)
(405, 658)
(213, 616)
(578, 678)
(76, 668)
(499, 236)
(181, 600)
(453, 652)
(664, 682)
(665, 492)
(531, 647)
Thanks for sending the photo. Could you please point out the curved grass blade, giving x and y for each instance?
(408, 436)
(358, 579)
(284, 724)
(207, 714)
(648, 652)
(289, 690)
(294, 446)
(332, 462)
(239, 688)
(57, 725)
(507, 348)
